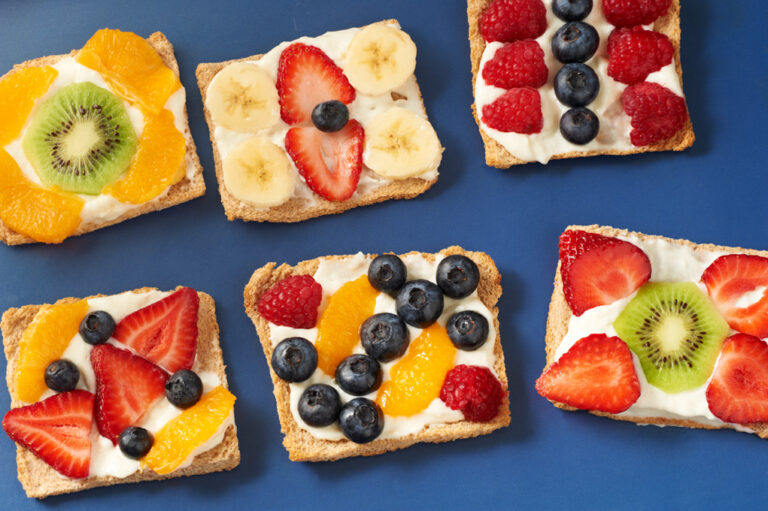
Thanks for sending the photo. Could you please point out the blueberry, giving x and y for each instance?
(579, 125)
(62, 375)
(457, 276)
(184, 388)
(319, 405)
(384, 336)
(387, 273)
(330, 116)
(135, 442)
(575, 41)
(97, 327)
(576, 85)
(358, 375)
(571, 10)
(468, 330)
(419, 303)
(361, 420)
(294, 359)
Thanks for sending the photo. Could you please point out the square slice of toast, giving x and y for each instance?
(40, 480)
(301, 445)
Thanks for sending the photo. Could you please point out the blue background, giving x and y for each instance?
(548, 459)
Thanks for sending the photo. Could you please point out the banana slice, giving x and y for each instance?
(258, 171)
(401, 144)
(379, 58)
(243, 97)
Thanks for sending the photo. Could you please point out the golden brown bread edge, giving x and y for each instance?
(497, 156)
(40, 480)
(301, 445)
(297, 209)
(560, 315)
(183, 191)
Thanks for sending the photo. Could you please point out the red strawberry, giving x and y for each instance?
(307, 76)
(727, 279)
(512, 20)
(634, 53)
(657, 112)
(738, 390)
(628, 13)
(517, 110)
(164, 332)
(312, 149)
(126, 386)
(597, 373)
(517, 64)
(598, 270)
(57, 430)
(292, 302)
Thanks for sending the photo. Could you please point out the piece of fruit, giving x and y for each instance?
(131, 67)
(384, 336)
(97, 327)
(676, 333)
(358, 374)
(258, 172)
(57, 430)
(575, 41)
(126, 387)
(419, 303)
(457, 276)
(474, 390)
(361, 420)
(512, 20)
(330, 116)
(135, 442)
(338, 330)
(292, 302)
(416, 379)
(379, 58)
(657, 113)
(628, 13)
(184, 388)
(387, 273)
(468, 330)
(576, 85)
(179, 438)
(19, 91)
(62, 375)
(598, 270)
(517, 110)
(596, 373)
(571, 10)
(319, 405)
(634, 53)
(294, 359)
(243, 97)
(164, 332)
(579, 125)
(45, 340)
(517, 64)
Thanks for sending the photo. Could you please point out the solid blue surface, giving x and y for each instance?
(547, 459)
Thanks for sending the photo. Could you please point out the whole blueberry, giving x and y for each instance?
(419, 303)
(330, 116)
(97, 327)
(387, 273)
(184, 388)
(358, 375)
(294, 359)
(135, 442)
(571, 10)
(384, 336)
(457, 276)
(62, 375)
(361, 420)
(576, 85)
(579, 125)
(468, 330)
(319, 405)
(575, 41)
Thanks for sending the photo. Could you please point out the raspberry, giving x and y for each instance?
(657, 112)
(517, 110)
(628, 13)
(512, 20)
(292, 302)
(517, 64)
(634, 53)
(474, 390)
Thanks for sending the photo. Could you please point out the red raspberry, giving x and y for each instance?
(628, 13)
(657, 112)
(292, 302)
(634, 53)
(517, 110)
(512, 20)
(474, 390)
(517, 64)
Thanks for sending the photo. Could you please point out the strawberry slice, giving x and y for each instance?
(312, 150)
(164, 332)
(728, 279)
(306, 76)
(738, 390)
(126, 386)
(57, 430)
(597, 373)
(598, 270)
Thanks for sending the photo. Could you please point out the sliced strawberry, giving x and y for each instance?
(164, 332)
(57, 430)
(728, 279)
(126, 386)
(598, 270)
(738, 390)
(597, 373)
(307, 76)
(312, 150)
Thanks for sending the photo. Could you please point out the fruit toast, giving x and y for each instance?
(344, 335)
(557, 79)
(136, 381)
(319, 125)
(677, 329)
(92, 138)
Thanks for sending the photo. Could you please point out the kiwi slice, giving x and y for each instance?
(80, 139)
(676, 333)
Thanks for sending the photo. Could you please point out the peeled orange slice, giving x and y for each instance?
(18, 93)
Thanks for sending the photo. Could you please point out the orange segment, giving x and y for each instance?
(338, 330)
(196, 425)
(416, 379)
(131, 66)
(44, 341)
(18, 93)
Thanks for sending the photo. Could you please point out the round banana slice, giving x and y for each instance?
(258, 171)
(243, 98)
(379, 58)
(401, 144)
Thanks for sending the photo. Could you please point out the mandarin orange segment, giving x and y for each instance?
(18, 93)
(176, 441)
(338, 330)
(416, 379)
(44, 341)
